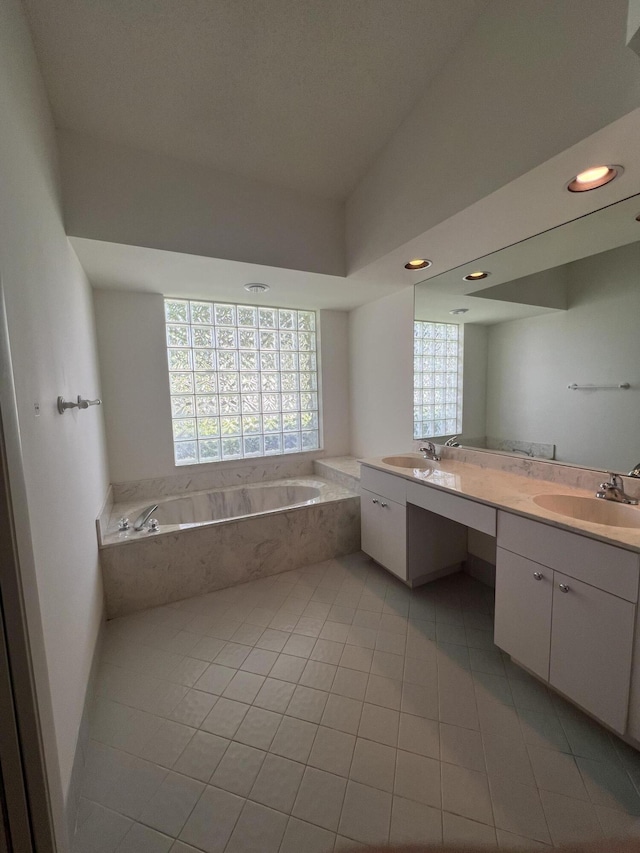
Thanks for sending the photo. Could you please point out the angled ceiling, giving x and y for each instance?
(298, 93)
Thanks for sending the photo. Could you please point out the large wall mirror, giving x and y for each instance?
(545, 359)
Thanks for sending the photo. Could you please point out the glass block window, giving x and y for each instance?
(437, 379)
(243, 379)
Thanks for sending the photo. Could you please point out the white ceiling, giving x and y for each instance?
(116, 266)
(299, 93)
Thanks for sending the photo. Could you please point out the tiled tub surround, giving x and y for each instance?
(332, 705)
(282, 525)
(217, 475)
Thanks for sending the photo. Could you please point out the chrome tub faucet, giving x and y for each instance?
(144, 517)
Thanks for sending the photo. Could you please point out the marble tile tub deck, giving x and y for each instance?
(330, 707)
(144, 569)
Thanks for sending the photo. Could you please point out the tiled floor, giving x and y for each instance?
(332, 706)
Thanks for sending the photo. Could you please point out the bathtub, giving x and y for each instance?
(212, 539)
(223, 504)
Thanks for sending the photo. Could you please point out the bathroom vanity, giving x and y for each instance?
(566, 588)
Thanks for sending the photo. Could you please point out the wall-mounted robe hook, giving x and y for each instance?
(63, 405)
(84, 404)
(80, 403)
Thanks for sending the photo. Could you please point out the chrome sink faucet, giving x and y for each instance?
(144, 517)
(613, 490)
(429, 451)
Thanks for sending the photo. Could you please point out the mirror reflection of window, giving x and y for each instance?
(437, 379)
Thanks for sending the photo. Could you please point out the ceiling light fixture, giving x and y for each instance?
(476, 276)
(591, 179)
(256, 287)
(417, 264)
(459, 311)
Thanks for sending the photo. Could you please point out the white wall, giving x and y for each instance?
(334, 364)
(51, 331)
(596, 341)
(135, 384)
(381, 370)
(123, 195)
(529, 80)
(474, 381)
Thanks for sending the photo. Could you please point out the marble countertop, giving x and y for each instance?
(512, 492)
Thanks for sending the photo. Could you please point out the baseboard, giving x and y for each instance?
(77, 772)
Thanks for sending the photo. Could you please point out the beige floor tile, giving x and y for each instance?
(238, 769)
(420, 701)
(418, 778)
(518, 809)
(212, 821)
(354, 657)
(342, 713)
(299, 645)
(332, 751)
(277, 783)
(327, 651)
(274, 695)
(171, 805)
(320, 798)
(288, 668)
(318, 674)
(351, 683)
(466, 792)
(258, 728)
(307, 703)
(294, 739)
(193, 708)
(260, 661)
(215, 678)
(609, 785)
(420, 735)
(461, 830)
(462, 747)
(379, 724)
(570, 820)
(373, 764)
(244, 687)
(386, 692)
(202, 755)
(509, 759)
(557, 772)
(414, 823)
(303, 837)
(259, 830)
(366, 814)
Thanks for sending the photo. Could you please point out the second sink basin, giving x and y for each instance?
(408, 462)
(595, 510)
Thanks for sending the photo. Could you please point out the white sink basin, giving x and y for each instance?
(408, 462)
(595, 510)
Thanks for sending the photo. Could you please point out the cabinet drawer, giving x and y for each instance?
(387, 485)
(524, 592)
(464, 511)
(384, 532)
(596, 563)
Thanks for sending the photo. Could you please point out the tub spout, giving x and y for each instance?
(144, 516)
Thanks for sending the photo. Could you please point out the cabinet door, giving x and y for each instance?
(384, 532)
(524, 592)
(591, 644)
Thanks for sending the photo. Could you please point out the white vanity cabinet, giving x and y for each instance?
(384, 520)
(524, 593)
(566, 611)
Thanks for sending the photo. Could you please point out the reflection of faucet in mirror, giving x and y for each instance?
(635, 471)
(528, 334)
(429, 451)
(613, 490)
(453, 441)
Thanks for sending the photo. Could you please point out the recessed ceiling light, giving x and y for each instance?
(591, 179)
(417, 264)
(256, 287)
(459, 311)
(476, 276)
